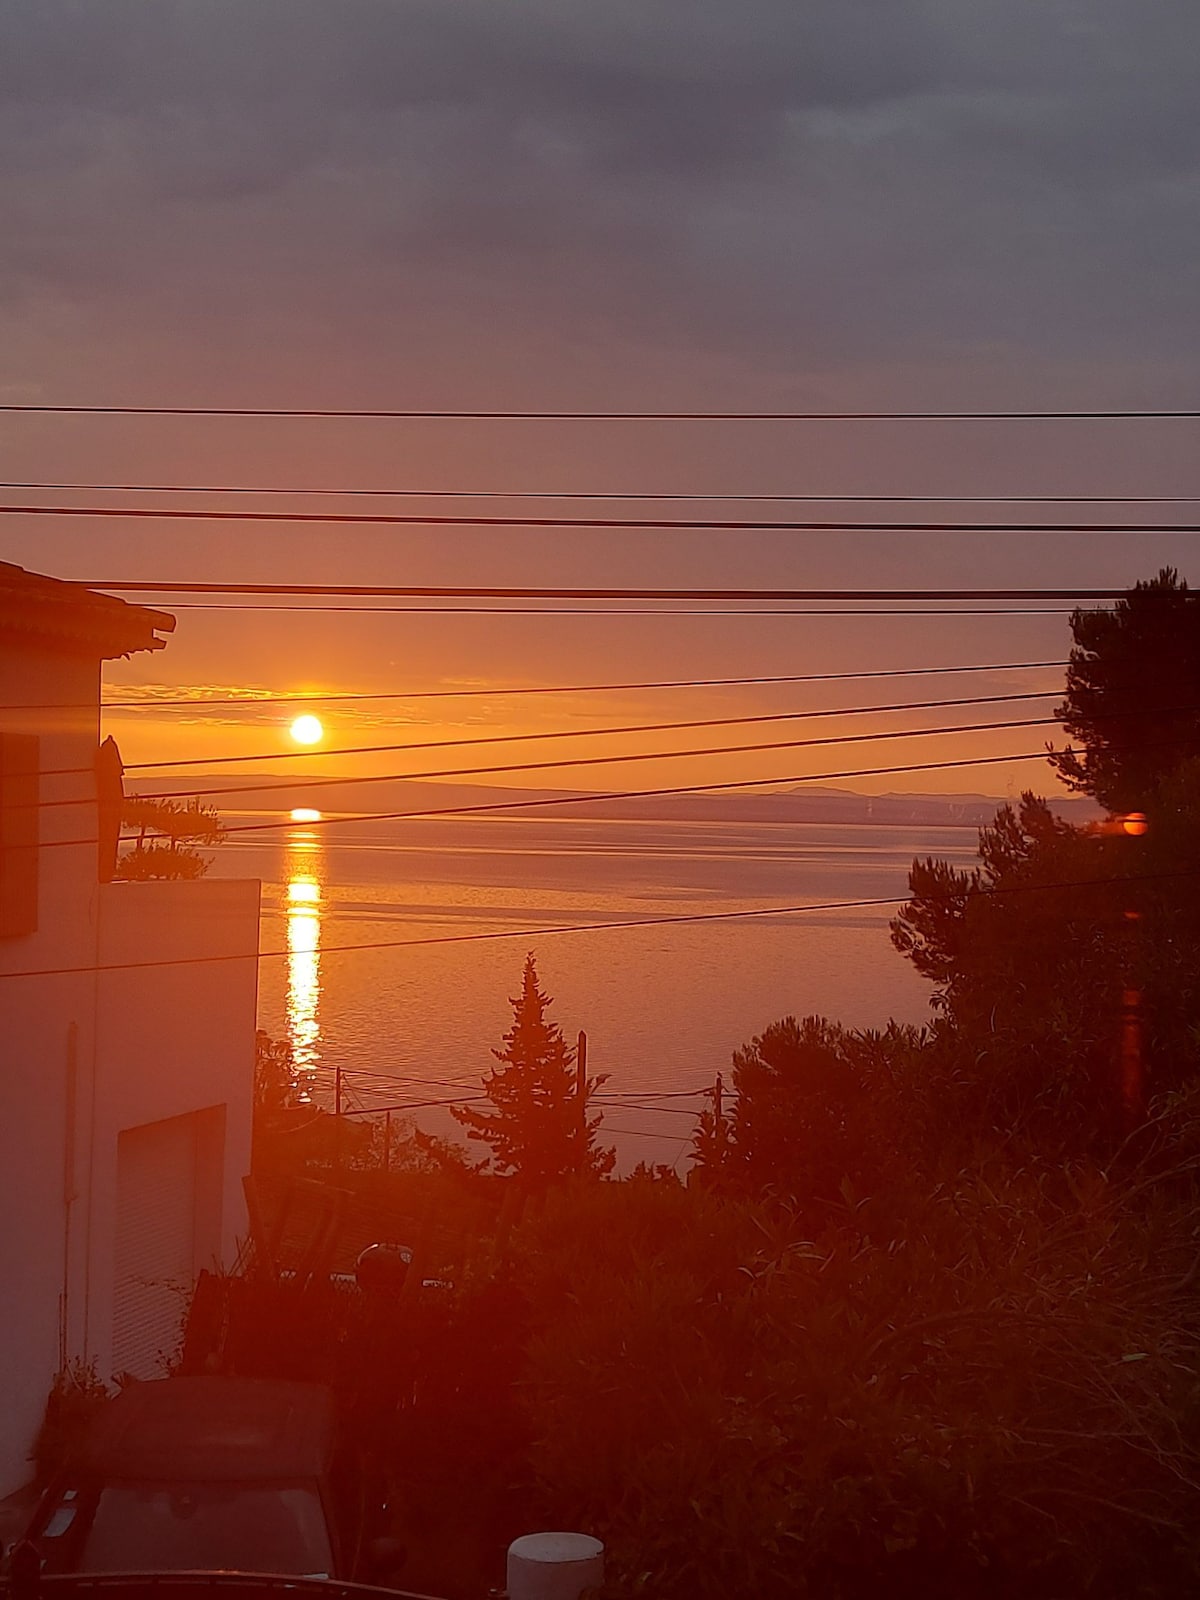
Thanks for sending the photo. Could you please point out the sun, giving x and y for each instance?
(307, 729)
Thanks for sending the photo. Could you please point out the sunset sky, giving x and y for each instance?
(546, 204)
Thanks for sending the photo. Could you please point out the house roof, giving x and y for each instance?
(71, 617)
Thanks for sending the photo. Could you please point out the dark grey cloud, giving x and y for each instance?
(785, 184)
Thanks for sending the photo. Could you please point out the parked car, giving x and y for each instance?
(212, 1474)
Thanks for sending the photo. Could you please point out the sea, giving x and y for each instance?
(393, 949)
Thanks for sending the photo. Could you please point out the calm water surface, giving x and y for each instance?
(664, 1007)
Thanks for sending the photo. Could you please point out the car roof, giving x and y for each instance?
(213, 1429)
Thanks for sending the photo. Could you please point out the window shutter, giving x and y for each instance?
(18, 834)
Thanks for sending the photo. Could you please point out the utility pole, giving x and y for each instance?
(337, 1116)
(387, 1141)
(719, 1116)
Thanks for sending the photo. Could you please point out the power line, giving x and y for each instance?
(633, 794)
(653, 755)
(644, 524)
(576, 733)
(426, 415)
(625, 611)
(636, 1105)
(639, 1133)
(429, 591)
(606, 795)
(606, 1126)
(457, 938)
(381, 1081)
(250, 700)
(582, 927)
(423, 1105)
(652, 496)
(663, 1094)
(414, 1105)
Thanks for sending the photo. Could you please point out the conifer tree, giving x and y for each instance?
(1133, 684)
(538, 1130)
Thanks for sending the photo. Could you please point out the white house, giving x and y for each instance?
(127, 1017)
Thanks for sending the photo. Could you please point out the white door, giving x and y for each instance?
(155, 1243)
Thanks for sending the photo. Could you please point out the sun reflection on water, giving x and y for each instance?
(304, 871)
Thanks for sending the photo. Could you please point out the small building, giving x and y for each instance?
(127, 1022)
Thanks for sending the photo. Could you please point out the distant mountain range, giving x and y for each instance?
(811, 804)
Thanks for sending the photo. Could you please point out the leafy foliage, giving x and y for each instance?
(75, 1397)
(1133, 694)
(988, 1395)
(799, 1124)
(923, 1320)
(168, 832)
(538, 1128)
(1032, 953)
(276, 1080)
(1029, 953)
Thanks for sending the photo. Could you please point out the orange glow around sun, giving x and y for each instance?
(307, 729)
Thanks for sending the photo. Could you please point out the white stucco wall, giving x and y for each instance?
(87, 1054)
(171, 1039)
(44, 1023)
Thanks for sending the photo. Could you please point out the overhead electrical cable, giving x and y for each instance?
(383, 1081)
(440, 610)
(616, 925)
(201, 702)
(599, 796)
(429, 591)
(557, 764)
(630, 794)
(320, 698)
(632, 524)
(652, 496)
(424, 414)
(564, 762)
(636, 756)
(584, 733)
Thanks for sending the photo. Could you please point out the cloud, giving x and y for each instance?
(799, 185)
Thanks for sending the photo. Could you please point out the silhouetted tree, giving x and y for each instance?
(800, 1122)
(167, 833)
(276, 1080)
(1032, 952)
(538, 1129)
(1133, 694)
(1027, 952)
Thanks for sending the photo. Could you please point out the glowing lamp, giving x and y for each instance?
(1135, 824)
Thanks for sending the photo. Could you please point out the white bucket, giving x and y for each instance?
(554, 1566)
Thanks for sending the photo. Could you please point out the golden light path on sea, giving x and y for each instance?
(303, 895)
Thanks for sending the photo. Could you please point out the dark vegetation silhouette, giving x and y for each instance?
(924, 1318)
(538, 1128)
(170, 836)
(1133, 694)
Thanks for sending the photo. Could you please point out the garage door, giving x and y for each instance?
(155, 1243)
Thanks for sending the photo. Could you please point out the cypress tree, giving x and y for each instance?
(537, 1128)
